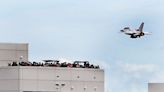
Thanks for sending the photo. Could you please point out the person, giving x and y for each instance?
(14, 64)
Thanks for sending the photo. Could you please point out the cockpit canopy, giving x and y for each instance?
(126, 28)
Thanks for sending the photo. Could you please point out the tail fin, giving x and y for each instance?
(141, 26)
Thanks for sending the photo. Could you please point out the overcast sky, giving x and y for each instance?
(89, 30)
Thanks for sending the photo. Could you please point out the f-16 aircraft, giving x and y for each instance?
(136, 32)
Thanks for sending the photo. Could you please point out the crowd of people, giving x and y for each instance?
(56, 63)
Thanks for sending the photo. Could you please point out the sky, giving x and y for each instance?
(90, 30)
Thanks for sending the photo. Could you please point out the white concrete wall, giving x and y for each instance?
(51, 79)
(10, 52)
(9, 80)
(156, 87)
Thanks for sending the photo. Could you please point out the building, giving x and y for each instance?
(10, 52)
(156, 87)
(47, 78)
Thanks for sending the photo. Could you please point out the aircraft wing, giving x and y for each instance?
(130, 32)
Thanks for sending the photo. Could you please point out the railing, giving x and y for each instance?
(56, 63)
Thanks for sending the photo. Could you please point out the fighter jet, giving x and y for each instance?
(136, 32)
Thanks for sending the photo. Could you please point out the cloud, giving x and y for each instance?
(131, 77)
(158, 77)
(131, 68)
